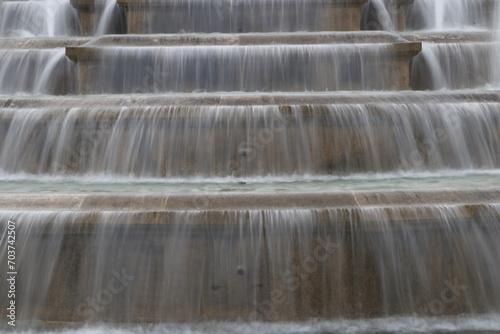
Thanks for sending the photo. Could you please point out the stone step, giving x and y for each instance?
(42, 42)
(439, 180)
(253, 257)
(245, 99)
(333, 61)
(220, 202)
(227, 16)
(274, 136)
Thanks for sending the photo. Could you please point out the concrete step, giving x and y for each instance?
(333, 61)
(245, 136)
(42, 42)
(227, 16)
(340, 200)
(253, 257)
(246, 99)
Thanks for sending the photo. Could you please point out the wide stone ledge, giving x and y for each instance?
(450, 36)
(386, 66)
(42, 43)
(154, 40)
(93, 48)
(240, 99)
(243, 201)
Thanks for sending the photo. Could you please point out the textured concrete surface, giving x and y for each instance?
(118, 100)
(242, 201)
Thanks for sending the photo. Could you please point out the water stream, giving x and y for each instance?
(226, 268)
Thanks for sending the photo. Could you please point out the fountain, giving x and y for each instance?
(249, 166)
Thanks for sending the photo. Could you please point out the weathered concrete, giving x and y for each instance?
(242, 201)
(297, 38)
(450, 36)
(42, 43)
(238, 99)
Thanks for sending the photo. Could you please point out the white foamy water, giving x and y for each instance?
(398, 325)
(444, 179)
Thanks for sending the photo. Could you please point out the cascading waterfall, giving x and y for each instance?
(242, 68)
(452, 66)
(376, 15)
(38, 18)
(232, 16)
(232, 263)
(49, 18)
(447, 15)
(494, 61)
(110, 20)
(430, 15)
(38, 71)
(252, 255)
(178, 142)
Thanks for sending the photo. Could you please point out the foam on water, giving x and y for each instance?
(444, 179)
(489, 324)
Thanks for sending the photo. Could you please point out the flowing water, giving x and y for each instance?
(179, 142)
(235, 16)
(247, 253)
(45, 71)
(427, 268)
(38, 18)
(265, 68)
(431, 15)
